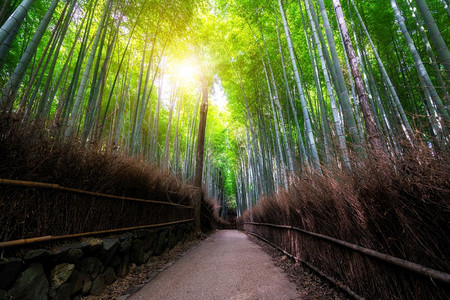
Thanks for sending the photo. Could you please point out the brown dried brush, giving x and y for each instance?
(30, 153)
(402, 210)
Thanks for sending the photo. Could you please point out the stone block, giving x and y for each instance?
(150, 239)
(36, 255)
(32, 284)
(160, 245)
(110, 247)
(103, 280)
(60, 274)
(140, 234)
(115, 261)
(123, 268)
(137, 254)
(77, 281)
(94, 245)
(91, 266)
(9, 270)
(86, 287)
(63, 292)
(69, 254)
(125, 242)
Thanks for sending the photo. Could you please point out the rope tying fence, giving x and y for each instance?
(410, 266)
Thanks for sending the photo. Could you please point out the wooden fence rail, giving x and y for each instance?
(407, 265)
(61, 235)
(76, 235)
(32, 184)
(340, 285)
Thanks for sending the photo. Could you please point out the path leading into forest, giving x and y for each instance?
(225, 266)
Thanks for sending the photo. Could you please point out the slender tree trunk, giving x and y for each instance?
(306, 116)
(354, 97)
(15, 19)
(387, 79)
(5, 10)
(40, 69)
(176, 147)
(71, 128)
(44, 105)
(282, 122)
(321, 108)
(254, 143)
(281, 162)
(423, 74)
(146, 95)
(96, 95)
(446, 6)
(11, 89)
(200, 152)
(374, 138)
(431, 57)
(336, 72)
(201, 135)
(63, 102)
(436, 37)
(165, 165)
(155, 127)
(123, 100)
(7, 43)
(102, 124)
(271, 88)
(338, 122)
(89, 114)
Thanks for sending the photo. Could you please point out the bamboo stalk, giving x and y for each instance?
(32, 184)
(410, 266)
(46, 238)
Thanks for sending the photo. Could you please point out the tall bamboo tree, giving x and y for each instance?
(436, 37)
(11, 89)
(374, 137)
(306, 115)
(427, 84)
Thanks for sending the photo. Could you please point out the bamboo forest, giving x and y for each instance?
(319, 127)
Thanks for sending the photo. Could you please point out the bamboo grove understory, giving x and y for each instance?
(310, 85)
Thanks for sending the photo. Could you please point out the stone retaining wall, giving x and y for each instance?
(84, 268)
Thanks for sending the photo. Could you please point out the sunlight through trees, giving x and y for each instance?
(293, 86)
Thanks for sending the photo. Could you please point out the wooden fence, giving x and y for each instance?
(356, 270)
(32, 212)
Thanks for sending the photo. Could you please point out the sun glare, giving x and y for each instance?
(187, 71)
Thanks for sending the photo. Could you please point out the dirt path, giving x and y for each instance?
(226, 266)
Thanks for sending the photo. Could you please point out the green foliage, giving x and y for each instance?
(224, 39)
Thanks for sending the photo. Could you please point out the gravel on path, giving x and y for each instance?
(225, 266)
